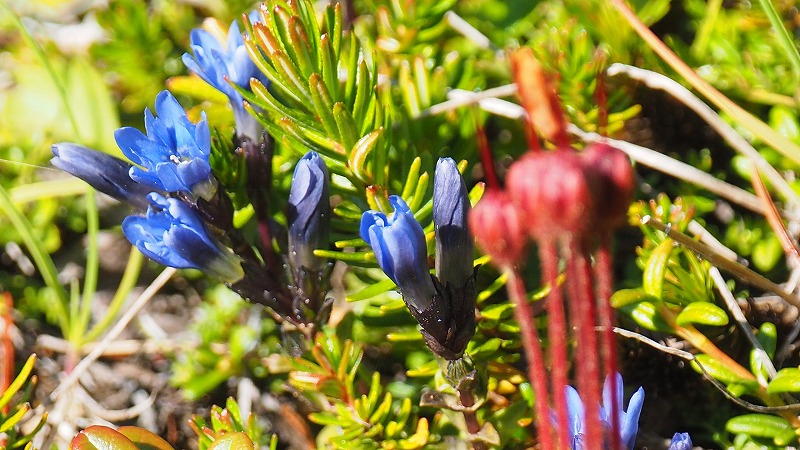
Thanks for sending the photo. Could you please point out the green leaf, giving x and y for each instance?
(703, 313)
(656, 268)
(786, 380)
(717, 370)
(233, 441)
(760, 425)
(646, 315)
(624, 297)
(144, 439)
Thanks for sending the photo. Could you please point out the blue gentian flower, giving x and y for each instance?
(309, 211)
(103, 172)
(213, 63)
(577, 418)
(628, 419)
(174, 155)
(680, 441)
(399, 245)
(454, 247)
(172, 234)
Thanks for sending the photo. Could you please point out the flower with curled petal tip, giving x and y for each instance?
(213, 61)
(399, 245)
(454, 248)
(174, 155)
(680, 441)
(172, 234)
(103, 172)
(309, 211)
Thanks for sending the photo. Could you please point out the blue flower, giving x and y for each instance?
(174, 155)
(103, 172)
(213, 63)
(577, 418)
(399, 245)
(172, 234)
(628, 419)
(680, 441)
(309, 211)
(454, 247)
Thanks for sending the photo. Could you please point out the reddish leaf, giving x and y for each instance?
(98, 437)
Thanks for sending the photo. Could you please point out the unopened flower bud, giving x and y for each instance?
(612, 183)
(552, 191)
(496, 222)
(103, 172)
(454, 249)
(309, 211)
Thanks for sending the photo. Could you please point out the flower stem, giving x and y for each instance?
(556, 336)
(487, 159)
(473, 426)
(582, 312)
(604, 282)
(533, 353)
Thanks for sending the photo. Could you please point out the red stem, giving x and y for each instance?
(601, 97)
(604, 279)
(582, 312)
(557, 337)
(487, 159)
(533, 353)
(470, 419)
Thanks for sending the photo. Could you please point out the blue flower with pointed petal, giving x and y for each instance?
(172, 234)
(213, 63)
(454, 247)
(308, 216)
(399, 245)
(174, 155)
(680, 441)
(628, 419)
(103, 172)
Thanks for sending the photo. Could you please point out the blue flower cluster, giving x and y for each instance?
(172, 157)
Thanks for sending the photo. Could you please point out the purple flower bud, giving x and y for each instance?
(399, 245)
(172, 234)
(174, 155)
(309, 211)
(680, 441)
(454, 247)
(212, 62)
(103, 172)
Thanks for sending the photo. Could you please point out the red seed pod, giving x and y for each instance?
(552, 191)
(496, 223)
(612, 184)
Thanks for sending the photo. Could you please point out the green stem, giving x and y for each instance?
(40, 257)
(783, 35)
(129, 279)
(92, 268)
(45, 60)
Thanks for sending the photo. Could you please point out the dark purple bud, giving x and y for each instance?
(103, 172)
(454, 247)
(309, 211)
